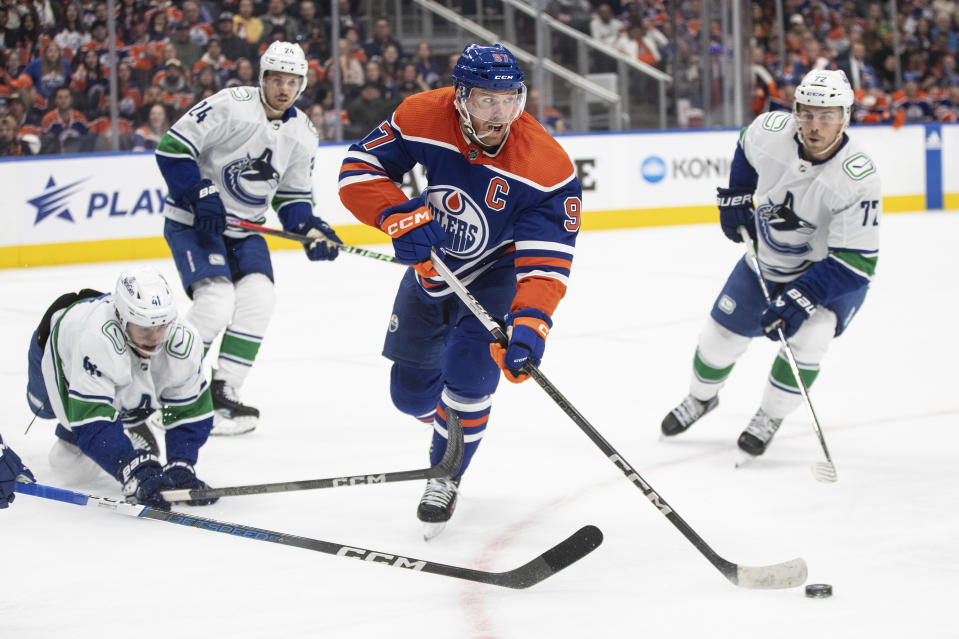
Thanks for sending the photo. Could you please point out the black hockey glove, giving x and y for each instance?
(180, 474)
(11, 468)
(735, 210)
(142, 477)
(319, 249)
(788, 311)
(209, 214)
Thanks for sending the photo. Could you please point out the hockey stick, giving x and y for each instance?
(237, 223)
(447, 467)
(565, 553)
(823, 471)
(784, 575)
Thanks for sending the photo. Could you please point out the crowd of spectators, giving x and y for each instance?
(54, 71)
(856, 36)
(55, 85)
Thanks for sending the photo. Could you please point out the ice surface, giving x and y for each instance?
(886, 536)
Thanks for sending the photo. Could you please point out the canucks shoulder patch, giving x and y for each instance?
(241, 94)
(776, 120)
(858, 166)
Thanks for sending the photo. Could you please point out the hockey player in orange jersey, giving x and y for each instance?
(502, 208)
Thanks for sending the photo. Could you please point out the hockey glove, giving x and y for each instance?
(414, 233)
(324, 247)
(11, 469)
(527, 330)
(209, 215)
(735, 210)
(181, 475)
(788, 311)
(142, 478)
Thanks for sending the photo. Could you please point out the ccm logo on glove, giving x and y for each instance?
(399, 223)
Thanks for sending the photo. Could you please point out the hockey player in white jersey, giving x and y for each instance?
(103, 363)
(239, 153)
(815, 224)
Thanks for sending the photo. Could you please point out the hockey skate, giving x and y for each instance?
(230, 416)
(758, 433)
(437, 505)
(686, 414)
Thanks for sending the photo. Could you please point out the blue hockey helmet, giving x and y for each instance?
(488, 87)
(493, 68)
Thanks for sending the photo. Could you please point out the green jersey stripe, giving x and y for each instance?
(861, 264)
(708, 373)
(170, 146)
(783, 374)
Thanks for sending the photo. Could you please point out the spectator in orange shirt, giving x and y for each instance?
(199, 23)
(65, 130)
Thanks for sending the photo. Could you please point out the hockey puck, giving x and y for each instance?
(819, 591)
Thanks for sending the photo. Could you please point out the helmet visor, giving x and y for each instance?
(495, 107)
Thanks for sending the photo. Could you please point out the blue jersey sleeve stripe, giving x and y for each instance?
(92, 398)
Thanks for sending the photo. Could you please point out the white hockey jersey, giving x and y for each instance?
(810, 211)
(92, 375)
(255, 162)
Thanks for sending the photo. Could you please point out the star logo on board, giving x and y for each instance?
(53, 200)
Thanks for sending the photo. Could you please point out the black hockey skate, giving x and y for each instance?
(231, 417)
(686, 414)
(437, 505)
(758, 433)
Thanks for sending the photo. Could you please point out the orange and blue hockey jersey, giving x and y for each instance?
(519, 206)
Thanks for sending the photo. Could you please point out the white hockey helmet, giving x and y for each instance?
(144, 298)
(825, 88)
(284, 57)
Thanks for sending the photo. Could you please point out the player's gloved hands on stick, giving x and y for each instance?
(735, 210)
(414, 233)
(319, 249)
(180, 474)
(209, 215)
(142, 478)
(788, 311)
(527, 330)
(11, 469)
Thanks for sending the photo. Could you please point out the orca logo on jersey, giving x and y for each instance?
(782, 218)
(467, 229)
(252, 181)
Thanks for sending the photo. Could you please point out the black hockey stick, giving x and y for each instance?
(822, 471)
(237, 223)
(788, 574)
(447, 467)
(568, 551)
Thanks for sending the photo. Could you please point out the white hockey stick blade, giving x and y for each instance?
(789, 574)
(825, 472)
